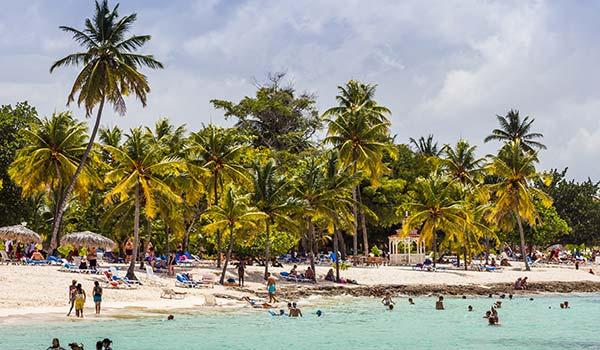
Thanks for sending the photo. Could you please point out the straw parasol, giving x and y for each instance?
(19, 233)
(87, 238)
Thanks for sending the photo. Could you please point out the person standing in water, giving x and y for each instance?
(295, 311)
(97, 296)
(271, 289)
(439, 305)
(72, 289)
(387, 300)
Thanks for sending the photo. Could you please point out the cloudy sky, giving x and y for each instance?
(442, 67)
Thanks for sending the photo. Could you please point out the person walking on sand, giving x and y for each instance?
(79, 300)
(72, 289)
(97, 295)
(241, 268)
(271, 288)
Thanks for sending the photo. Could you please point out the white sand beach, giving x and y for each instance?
(40, 292)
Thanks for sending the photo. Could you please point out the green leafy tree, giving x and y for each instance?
(219, 151)
(359, 132)
(233, 215)
(110, 72)
(276, 117)
(513, 194)
(139, 174)
(426, 147)
(13, 207)
(49, 158)
(513, 128)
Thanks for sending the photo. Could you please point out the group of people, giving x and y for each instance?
(521, 283)
(78, 297)
(105, 344)
(18, 250)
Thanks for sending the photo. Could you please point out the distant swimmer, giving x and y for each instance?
(170, 317)
(319, 313)
(295, 311)
(410, 301)
(439, 305)
(470, 308)
(387, 300)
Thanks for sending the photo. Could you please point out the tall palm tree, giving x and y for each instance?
(359, 132)
(513, 128)
(320, 197)
(219, 151)
(110, 72)
(271, 196)
(434, 208)
(426, 146)
(233, 215)
(139, 173)
(513, 193)
(49, 159)
(461, 163)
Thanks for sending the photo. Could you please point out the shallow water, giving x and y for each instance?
(346, 324)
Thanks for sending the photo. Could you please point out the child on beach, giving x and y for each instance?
(79, 300)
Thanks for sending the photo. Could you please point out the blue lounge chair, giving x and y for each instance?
(183, 281)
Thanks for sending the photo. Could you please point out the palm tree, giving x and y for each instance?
(434, 208)
(233, 215)
(426, 147)
(461, 164)
(139, 173)
(320, 198)
(110, 72)
(271, 196)
(49, 159)
(219, 151)
(512, 128)
(513, 193)
(359, 132)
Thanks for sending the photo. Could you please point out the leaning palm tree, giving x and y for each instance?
(110, 72)
(52, 151)
(272, 197)
(233, 215)
(426, 146)
(513, 193)
(359, 132)
(513, 128)
(219, 151)
(140, 174)
(434, 208)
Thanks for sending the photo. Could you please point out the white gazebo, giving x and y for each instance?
(406, 250)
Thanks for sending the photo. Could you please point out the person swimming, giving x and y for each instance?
(387, 300)
(170, 317)
(439, 305)
(319, 313)
(470, 308)
(410, 301)
(391, 307)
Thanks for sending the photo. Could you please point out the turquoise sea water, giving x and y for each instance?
(345, 324)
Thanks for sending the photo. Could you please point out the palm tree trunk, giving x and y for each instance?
(65, 198)
(434, 247)
(487, 250)
(216, 183)
(228, 256)
(337, 255)
(57, 196)
(342, 245)
(522, 236)
(149, 229)
(466, 253)
(167, 246)
(136, 234)
(267, 248)
(188, 230)
(311, 252)
(355, 214)
(363, 224)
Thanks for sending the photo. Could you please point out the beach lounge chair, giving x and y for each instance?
(168, 293)
(111, 282)
(32, 262)
(115, 274)
(427, 265)
(184, 282)
(152, 278)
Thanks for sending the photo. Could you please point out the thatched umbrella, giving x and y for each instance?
(19, 233)
(88, 239)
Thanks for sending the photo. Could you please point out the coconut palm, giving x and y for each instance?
(110, 72)
(359, 132)
(426, 146)
(513, 128)
(219, 151)
(233, 215)
(272, 197)
(49, 159)
(434, 208)
(461, 163)
(513, 193)
(140, 173)
(319, 197)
